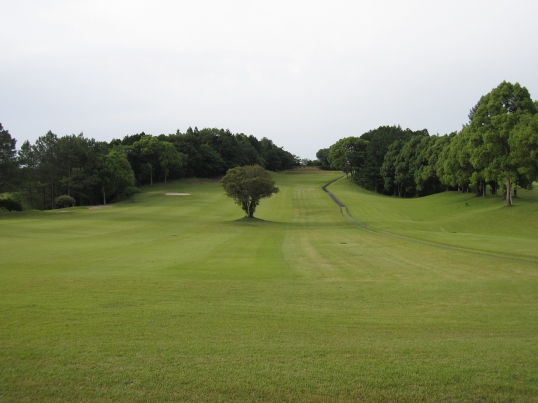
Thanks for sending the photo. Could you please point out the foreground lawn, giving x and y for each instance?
(177, 298)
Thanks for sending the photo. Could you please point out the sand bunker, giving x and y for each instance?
(99, 207)
(178, 194)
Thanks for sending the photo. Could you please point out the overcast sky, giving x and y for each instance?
(302, 73)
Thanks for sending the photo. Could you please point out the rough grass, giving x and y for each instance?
(181, 299)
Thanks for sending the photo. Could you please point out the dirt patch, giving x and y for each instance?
(178, 194)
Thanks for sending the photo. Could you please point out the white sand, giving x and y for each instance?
(99, 207)
(178, 194)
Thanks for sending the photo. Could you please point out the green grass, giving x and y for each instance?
(452, 218)
(177, 298)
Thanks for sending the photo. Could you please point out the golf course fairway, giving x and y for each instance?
(179, 298)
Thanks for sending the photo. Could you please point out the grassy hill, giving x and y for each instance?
(178, 298)
(452, 218)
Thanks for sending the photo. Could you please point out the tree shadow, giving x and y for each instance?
(259, 222)
(253, 220)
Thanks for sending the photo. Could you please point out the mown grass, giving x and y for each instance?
(452, 218)
(177, 298)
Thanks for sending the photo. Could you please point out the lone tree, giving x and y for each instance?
(247, 186)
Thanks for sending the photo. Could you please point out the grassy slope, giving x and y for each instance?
(178, 298)
(452, 218)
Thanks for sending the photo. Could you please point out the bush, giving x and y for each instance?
(10, 204)
(64, 201)
(130, 192)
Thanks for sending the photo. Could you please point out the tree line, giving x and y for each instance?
(96, 172)
(497, 150)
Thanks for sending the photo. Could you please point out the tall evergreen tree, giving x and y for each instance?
(8, 161)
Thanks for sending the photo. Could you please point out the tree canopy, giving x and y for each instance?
(247, 185)
(115, 173)
(77, 166)
(498, 148)
(348, 155)
(492, 147)
(8, 161)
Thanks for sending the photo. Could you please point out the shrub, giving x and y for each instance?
(10, 204)
(130, 192)
(64, 201)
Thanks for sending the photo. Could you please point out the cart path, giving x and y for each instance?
(359, 224)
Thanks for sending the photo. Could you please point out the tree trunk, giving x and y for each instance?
(251, 209)
(30, 193)
(151, 176)
(484, 186)
(68, 177)
(508, 192)
(104, 195)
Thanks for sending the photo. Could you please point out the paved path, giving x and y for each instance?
(343, 208)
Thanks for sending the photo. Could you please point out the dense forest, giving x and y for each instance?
(57, 171)
(497, 150)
